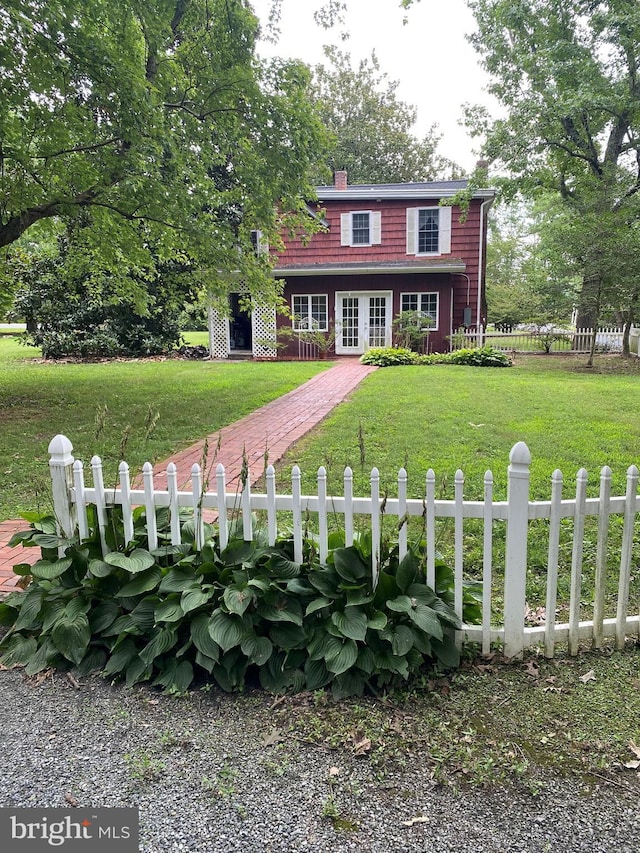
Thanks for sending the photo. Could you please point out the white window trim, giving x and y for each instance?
(444, 230)
(420, 294)
(375, 228)
(261, 245)
(309, 315)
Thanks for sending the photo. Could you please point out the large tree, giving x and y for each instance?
(371, 128)
(153, 126)
(567, 73)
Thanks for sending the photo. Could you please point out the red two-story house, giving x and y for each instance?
(384, 249)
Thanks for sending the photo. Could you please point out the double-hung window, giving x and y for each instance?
(361, 228)
(310, 312)
(425, 303)
(428, 230)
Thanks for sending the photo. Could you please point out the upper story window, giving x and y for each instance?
(310, 312)
(428, 230)
(361, 228)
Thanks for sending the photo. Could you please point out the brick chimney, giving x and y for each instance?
(340, 180)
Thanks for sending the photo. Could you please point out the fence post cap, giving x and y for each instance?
(520, 454)
(60, 449)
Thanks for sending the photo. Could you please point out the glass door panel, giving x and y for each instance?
(350, 322)
(377, 321)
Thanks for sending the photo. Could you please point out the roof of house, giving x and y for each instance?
(427, 189)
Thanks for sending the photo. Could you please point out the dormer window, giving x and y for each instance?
(360, 228)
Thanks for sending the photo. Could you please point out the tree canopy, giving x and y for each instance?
(151, 125)
(370, 127)
(567, 73)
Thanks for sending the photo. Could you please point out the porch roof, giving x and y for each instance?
(424, 265)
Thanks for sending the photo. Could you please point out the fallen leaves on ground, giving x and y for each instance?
(412, 821)
(272, 738)
(635, 763)
(588, 676)
(360, 743)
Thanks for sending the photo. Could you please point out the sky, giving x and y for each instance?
(435, 65)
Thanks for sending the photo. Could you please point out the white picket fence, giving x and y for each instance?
(608, 339)
(72, 495)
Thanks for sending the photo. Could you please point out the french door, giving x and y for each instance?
(363, 320)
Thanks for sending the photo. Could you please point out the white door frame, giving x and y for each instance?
(361, 339)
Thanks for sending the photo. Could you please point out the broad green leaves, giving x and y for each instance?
(351, 622)
(170, 616)
(137, 561)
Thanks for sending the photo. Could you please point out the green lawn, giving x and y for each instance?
(448, 417)
(192, 399)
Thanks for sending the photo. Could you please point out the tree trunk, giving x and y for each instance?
(592, 349)
(625, 338)
(590, 299)
(589, 303)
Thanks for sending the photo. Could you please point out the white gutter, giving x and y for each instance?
(483, 207)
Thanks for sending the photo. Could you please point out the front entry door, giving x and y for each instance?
(363, 320)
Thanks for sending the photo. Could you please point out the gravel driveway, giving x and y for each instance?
(208, 773)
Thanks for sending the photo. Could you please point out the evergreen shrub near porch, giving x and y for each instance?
(248, 613)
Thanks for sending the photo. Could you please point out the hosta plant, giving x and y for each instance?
(246, 613)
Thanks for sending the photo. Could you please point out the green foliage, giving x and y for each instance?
(157, 127)
(526, 282)
(389, 356)
(570, 129)
(370, 127)
(67, 315)
(248, 611)
(411, 329)
(485, 356)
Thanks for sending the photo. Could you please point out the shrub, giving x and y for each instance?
(411, 330)
(69, 314)
(246, 612)
(485, 356)
(389, 356)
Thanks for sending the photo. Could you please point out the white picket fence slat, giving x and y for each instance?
(72, 496)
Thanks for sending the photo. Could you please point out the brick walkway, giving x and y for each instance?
(272, 428)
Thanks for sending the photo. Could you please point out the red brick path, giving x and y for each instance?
(272, 428)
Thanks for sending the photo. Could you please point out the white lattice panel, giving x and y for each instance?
(219, 344)
(263, 326)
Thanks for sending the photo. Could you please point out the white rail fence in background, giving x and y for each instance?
(72, 495)
(608, 339)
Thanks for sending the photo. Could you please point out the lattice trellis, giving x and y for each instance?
(263, 327)
(219, 343)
